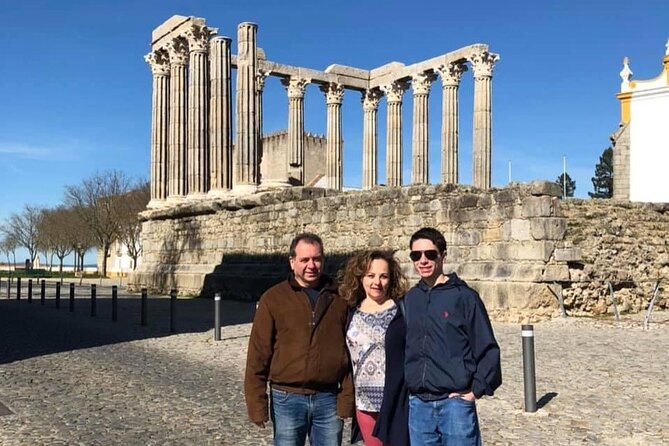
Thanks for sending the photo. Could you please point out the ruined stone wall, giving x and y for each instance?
(624, 243)
(274, 154)
(506, 243)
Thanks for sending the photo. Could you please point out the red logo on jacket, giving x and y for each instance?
(445, 314)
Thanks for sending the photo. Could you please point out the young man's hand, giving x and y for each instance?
(469, 396)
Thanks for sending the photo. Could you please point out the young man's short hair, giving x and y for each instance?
(307, 237)
(432, 235)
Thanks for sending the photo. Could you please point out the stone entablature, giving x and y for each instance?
(193, 160)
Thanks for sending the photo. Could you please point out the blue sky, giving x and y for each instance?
(75, 92)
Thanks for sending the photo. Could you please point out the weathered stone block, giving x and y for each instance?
(545, 188)
(556, 273)
(537, 207)
(551, 228)
(516, 229)
(567, 254)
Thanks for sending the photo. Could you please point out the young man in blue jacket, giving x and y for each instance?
(452, 357)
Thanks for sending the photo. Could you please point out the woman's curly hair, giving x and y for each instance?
(350, 278)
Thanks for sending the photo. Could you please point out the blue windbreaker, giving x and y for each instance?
(450, 342)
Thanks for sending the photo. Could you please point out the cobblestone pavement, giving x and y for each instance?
(75, 380)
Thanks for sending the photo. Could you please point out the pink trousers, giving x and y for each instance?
(366, 421)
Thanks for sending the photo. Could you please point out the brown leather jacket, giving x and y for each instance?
(296, 349)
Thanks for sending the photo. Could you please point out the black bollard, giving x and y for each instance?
(57, 294)
(145, 299)
(94, 299)
(71, 298)
(217, 317)
(18, 288)
(173, 311)
(30, 291)
(42, 291)
(9, 287)
(529, 378)
(114, 303)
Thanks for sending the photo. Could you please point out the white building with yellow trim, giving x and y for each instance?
(641, 145)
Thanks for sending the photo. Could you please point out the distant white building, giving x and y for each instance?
(119, 263)
(641, 145)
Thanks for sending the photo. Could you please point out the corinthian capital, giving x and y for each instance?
(261, 76)
(422, 82)
(451, 73)
(295, 86)
(395, 90)
(178, 51)
(482, 63)
(334, 93)
(159, 61)
(371, 99)
(198, 38)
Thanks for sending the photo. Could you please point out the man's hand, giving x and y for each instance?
(467, 395)
(260, 424)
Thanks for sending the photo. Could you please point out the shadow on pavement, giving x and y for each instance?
(31, 329)
(546, 399)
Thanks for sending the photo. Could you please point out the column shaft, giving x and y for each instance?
(177, 160)
(159, 61)
(394, 94)
(295, 88)
(198, 124)
(482, 64)
(220, 115)
(450, 77)
(370, 101)
(334, 95)
(420, 138)
(246, 151)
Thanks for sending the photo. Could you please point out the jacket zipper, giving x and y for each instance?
(427, 312)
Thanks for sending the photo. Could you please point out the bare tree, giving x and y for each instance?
(57, 233)
(8, 246)
(83, 239)
(97, 201)
(130, 226)
(23, 228)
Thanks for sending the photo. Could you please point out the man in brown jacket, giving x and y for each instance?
(297, 345)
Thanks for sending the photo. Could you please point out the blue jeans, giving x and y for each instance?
(294, 416)
(447, 422)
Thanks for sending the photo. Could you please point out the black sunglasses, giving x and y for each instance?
(431, 254)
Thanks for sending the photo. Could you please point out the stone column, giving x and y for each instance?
(261, 76)
(420, 140)
(370, 105)
(246, 170)
(177, 162)
(160, 67)
(198, 110)
(450, 81)
(394, 93)
(334, 95)
(220, 116)
(482, 64)
(295, 87)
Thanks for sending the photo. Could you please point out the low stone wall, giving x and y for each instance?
(626, 244)
(507, 243)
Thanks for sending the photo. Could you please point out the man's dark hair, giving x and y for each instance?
(432, 235)
(307, 237)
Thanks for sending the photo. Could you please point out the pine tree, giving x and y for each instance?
(570, 186)
(602, 182)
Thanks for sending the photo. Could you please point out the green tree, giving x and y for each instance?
(570, 184)
(602, 182)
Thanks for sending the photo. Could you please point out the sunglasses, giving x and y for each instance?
(430, 254)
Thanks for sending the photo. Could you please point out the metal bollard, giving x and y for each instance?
(30, 291)
(145, 300)
(114, 303)
(94, 300)
(217, 317)
(71, 298)
(42, 291)
(173, 309)
(18, 288)
(57, 294)
(9, 287)
(529, 377)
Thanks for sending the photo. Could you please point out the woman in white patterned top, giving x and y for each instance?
(371, 282)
